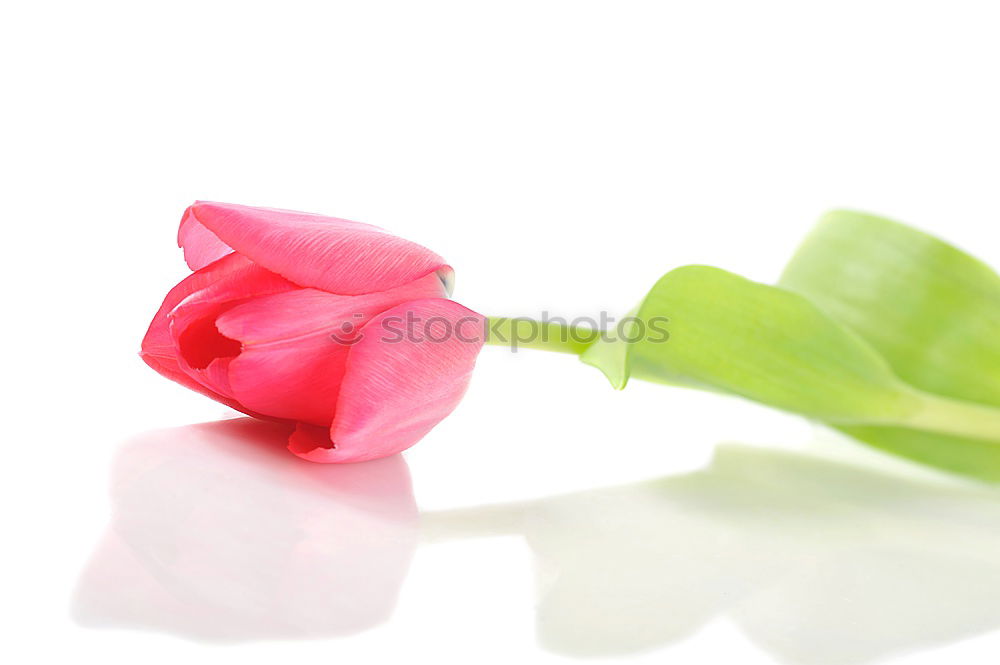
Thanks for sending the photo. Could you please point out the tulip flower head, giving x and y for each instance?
(336, 326)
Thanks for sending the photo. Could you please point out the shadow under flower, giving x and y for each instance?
(219, 534)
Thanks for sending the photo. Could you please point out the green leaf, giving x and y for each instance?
(968, 456)
(774, 346)
(729, 334)
(931, 310)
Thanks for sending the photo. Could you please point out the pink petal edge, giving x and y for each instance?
(335, 255)
(201, 246)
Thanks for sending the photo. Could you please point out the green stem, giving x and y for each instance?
(524, 333)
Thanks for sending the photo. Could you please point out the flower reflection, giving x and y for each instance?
(219, 534)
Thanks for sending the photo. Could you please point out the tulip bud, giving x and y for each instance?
(334, 325)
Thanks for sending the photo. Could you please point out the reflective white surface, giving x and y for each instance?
(217, 534)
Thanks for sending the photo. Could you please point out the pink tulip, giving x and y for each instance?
(334, 325)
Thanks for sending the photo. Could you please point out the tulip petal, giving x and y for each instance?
(158, 341)
(158, 349)
(168, 367)
(197, 300)
(398, 386)
(203, 351)
(326, 253)
(295, 346)
(307, 438)
(201, 246)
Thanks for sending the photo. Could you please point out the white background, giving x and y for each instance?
(561, 156)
